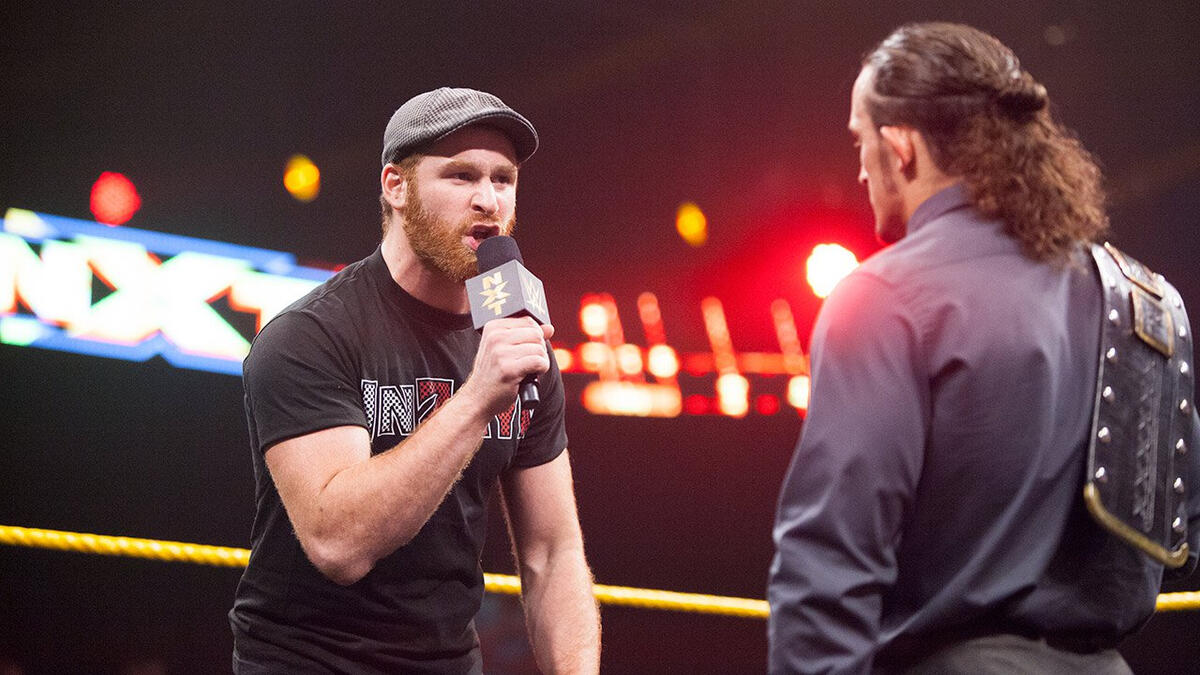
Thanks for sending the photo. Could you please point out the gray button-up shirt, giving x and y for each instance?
(937, 488)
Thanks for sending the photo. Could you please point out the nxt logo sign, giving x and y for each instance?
(133, 294)
(493, 292)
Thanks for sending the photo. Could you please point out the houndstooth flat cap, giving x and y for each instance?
(431, 116)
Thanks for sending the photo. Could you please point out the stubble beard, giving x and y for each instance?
(438, 244)
(890, 225)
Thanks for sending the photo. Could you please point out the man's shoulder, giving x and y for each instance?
(915, 253)
(942, 250)
(331, 301)
(899, 264)
(324, 313)
(935, 266)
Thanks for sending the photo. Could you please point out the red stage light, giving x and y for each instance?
(767, 404)
(114, 199)
(696, 404)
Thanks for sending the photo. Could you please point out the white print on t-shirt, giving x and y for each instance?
(393, 410)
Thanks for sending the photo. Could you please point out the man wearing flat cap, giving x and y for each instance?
(380, 421)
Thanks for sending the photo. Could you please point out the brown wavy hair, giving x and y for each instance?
(987, 120)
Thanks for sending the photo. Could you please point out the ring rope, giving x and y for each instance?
(224, 556)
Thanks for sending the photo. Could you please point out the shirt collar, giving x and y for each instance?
(940, 203)
(409, 304)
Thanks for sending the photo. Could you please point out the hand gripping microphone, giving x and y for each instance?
(505, 288)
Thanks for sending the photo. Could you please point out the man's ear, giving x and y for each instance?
(902, 141)
(392, 184)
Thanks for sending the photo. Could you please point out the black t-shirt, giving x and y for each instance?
(358, 350)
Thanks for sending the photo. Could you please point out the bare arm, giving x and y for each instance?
(349, 508)
(560, 609)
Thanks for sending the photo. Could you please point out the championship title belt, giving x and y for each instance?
(1137, 476)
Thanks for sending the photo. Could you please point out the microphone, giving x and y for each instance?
(504, 288)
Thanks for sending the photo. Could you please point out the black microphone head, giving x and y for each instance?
(495, 251)
(504, 287)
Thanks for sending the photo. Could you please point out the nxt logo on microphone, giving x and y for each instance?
(493, 292)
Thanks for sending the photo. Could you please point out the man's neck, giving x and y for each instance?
(921, 189)
(429, 286)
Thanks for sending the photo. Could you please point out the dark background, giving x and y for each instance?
(740, 108)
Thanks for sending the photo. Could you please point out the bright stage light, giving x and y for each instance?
(827, 265)
(634, 399)
(594, 356)
(302, 178)
(114, 199)
(797, 392)
(593, 319)
(662, 362)
(733, 395)
(629, 359)
(691, 224)
(564, 358)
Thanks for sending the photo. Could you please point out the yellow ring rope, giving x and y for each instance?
(223, 556)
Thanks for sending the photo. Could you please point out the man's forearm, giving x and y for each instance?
(561, 614)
